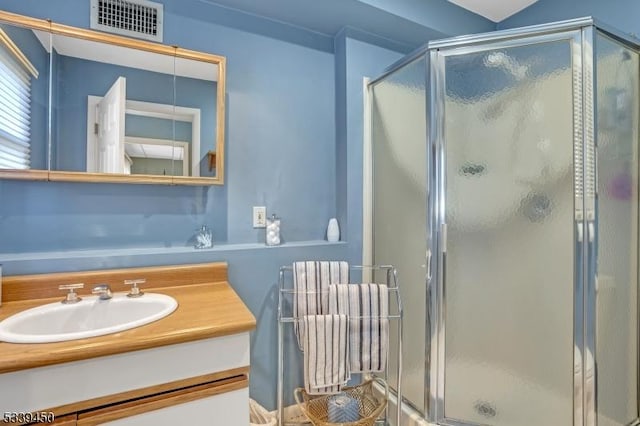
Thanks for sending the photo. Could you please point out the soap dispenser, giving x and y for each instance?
(272, 237)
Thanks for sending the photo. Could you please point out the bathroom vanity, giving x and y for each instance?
(190, 367)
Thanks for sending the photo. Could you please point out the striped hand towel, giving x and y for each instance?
(311, 280)
(326, 353)
(367, 306)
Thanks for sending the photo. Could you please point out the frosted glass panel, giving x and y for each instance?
(617, 297)
(510, 243)
(399, 191)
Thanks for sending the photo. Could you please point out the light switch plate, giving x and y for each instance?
(259, 217)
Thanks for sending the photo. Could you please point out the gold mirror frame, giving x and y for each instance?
(216, 158)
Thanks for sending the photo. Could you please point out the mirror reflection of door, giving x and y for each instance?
(110, 113)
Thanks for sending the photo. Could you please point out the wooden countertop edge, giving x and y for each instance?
(76, 350)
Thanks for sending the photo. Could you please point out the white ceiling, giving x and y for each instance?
(496, 10)
(152, 150)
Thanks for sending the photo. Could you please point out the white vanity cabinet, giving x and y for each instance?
(203, 382)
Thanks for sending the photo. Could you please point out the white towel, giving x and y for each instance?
(311, 280)
(367, 306)
(326, 353)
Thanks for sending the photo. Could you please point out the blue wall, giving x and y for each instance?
(409, 22)
(621, 14)
(294, 143)
(280, 129)
(441, 16)
(356, 59)
(280, 153)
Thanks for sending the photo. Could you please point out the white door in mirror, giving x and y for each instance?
(58, 322)
(111, 116)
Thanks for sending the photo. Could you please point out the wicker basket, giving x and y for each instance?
(316, 408)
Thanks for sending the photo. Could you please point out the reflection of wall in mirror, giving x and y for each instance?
(155, 166)
(78, 78)
(188, 91)
(157, 128)
(39, 58)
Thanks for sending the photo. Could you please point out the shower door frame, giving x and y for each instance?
(579, 33)
(368, 210)
(633, 43)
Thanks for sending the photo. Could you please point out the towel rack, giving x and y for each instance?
(285, 317)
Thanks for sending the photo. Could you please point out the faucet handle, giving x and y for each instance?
(135, 291)
(72, 296)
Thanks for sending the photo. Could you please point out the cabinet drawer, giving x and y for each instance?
(38, 389)
(221, 403)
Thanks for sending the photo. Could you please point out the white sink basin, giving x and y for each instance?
(57, 322)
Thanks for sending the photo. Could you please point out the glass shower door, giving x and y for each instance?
(616, 307)
(399, 140)
(508, 245)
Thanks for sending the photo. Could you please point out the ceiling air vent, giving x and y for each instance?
(133, 18)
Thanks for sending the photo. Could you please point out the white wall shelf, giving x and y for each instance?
(64, 260)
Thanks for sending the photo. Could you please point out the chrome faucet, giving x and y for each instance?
(103, 291)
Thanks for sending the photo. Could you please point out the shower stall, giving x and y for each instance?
(505, 191)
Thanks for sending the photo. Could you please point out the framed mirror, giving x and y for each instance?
(111, 109)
